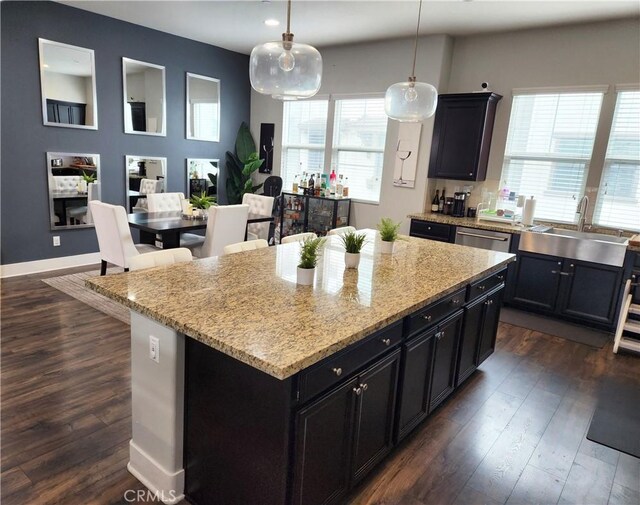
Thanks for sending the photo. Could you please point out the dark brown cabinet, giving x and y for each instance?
(490, 322)
(537, 281)
(462, 136)
(445, 357)
(66, 112)
(470, 339)
(342, 435)
(432, 231)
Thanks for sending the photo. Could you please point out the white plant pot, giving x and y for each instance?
(351, 260)
(82, 186)
(305, 276)
(387, 247)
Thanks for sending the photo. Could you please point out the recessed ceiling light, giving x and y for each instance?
(271, 22)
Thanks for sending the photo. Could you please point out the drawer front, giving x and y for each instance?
(333, 370)
(637, 260)
(483, 286)
(434, 231)
(436, 312)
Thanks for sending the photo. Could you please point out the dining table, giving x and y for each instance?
(163, 229)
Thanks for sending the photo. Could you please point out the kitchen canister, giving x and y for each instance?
(529, 211)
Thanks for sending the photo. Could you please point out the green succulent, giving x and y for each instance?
(353, 241)
(88, 177)
(310, 251)
(202, 201)
(388, 229)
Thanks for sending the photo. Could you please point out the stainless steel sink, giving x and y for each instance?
(593, 247)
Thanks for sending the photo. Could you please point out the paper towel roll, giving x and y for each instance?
(529, 211)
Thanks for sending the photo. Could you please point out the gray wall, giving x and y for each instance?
(25, 233)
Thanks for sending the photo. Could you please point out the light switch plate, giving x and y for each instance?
(154, 348)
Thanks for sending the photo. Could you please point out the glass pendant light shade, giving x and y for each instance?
(285, 70)
(410, 101)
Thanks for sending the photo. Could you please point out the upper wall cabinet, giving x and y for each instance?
(462, 136)
(68, 85)
(203, 108)
(144, 98)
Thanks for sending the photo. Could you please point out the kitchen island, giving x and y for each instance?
(258, 390)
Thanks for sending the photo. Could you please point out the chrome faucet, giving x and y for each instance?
(583, 206)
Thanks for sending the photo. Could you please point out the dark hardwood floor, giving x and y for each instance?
(514, 433)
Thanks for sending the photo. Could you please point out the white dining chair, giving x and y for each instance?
(160, 258)
(226, 225)
(114, 235)
(258, 204)
(66, 182)
(299, 237)
(147, 187)
(165, 202)
(83, 214)
(249, 245)
(342, 230)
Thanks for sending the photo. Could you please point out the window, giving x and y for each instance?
(549, 148)
(356, 148)
(304, 134)
(359, 134)
(205, 119)
(618, 202)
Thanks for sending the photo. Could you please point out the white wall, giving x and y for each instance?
(372, 68)
(592, 54)
(68, 88)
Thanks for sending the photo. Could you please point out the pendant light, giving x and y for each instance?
(285, 69)
(411, 101)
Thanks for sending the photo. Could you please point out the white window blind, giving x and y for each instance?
(304, 133)
(360, 130)
(205, 119)
(549, 148)
(618, 202)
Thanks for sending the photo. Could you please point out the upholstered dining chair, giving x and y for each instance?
(342, 230)
(258, 204)
(165, 202)
(160, 258)
(226, 225)
(82, 214)
(147, 187)
(272, 186)
(249, 245)
(114, 235)
(299, 237)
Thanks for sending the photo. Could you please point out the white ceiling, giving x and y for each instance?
(65, 59)
(239, 25)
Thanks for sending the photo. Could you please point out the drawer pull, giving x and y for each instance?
(555, 272)
(455, 301)
(440, 335)
(500, 277)
(386, 341)
(364, 386)
(426, 317)
(489, 302)
(337, 371)
(357, 391)
(481, 288)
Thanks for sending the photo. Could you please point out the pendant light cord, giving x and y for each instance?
(415, 47)
(289, 16)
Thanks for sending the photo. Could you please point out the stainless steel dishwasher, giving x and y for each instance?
(483, 239)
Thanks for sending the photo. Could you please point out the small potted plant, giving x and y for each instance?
(353, 243)
(87, 178)
(388, 234)
(202, 202)
(309, 253)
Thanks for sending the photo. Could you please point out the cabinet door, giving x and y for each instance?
(77, 113)
(490, 325)
(537, 281)
(590, 291)
(323, 446)
(445, 359)
(64, 113)
(375, 412)
(416, 378)
(470, 339)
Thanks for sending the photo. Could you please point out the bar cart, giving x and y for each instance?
(318, 214)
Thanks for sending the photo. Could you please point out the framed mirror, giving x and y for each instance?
(68, 85)
(203, 108)
(202, 175)
(74, 180)
(145, 94)
(144, 175)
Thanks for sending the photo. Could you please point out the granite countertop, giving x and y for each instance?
(471, 222)
(248, 305)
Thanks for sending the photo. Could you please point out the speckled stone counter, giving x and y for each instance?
(249, 306)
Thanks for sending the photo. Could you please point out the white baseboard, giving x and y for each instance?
(34, 267)
(168, 487)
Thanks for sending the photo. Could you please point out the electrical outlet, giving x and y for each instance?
(154, 348)
(56, 241)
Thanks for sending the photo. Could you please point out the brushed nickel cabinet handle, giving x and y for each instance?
(337, 371)
(482, 288)
(455, 301)
(357, 391)
(386, 341)
(500, 277)
(426, 317)
(364, 386)
(554, 272)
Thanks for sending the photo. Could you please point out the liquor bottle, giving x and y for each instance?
(441, 202)
(339, 187)
(332, 180)
(345, 188)
(295, 183)
(435, 204)
(311, 185)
